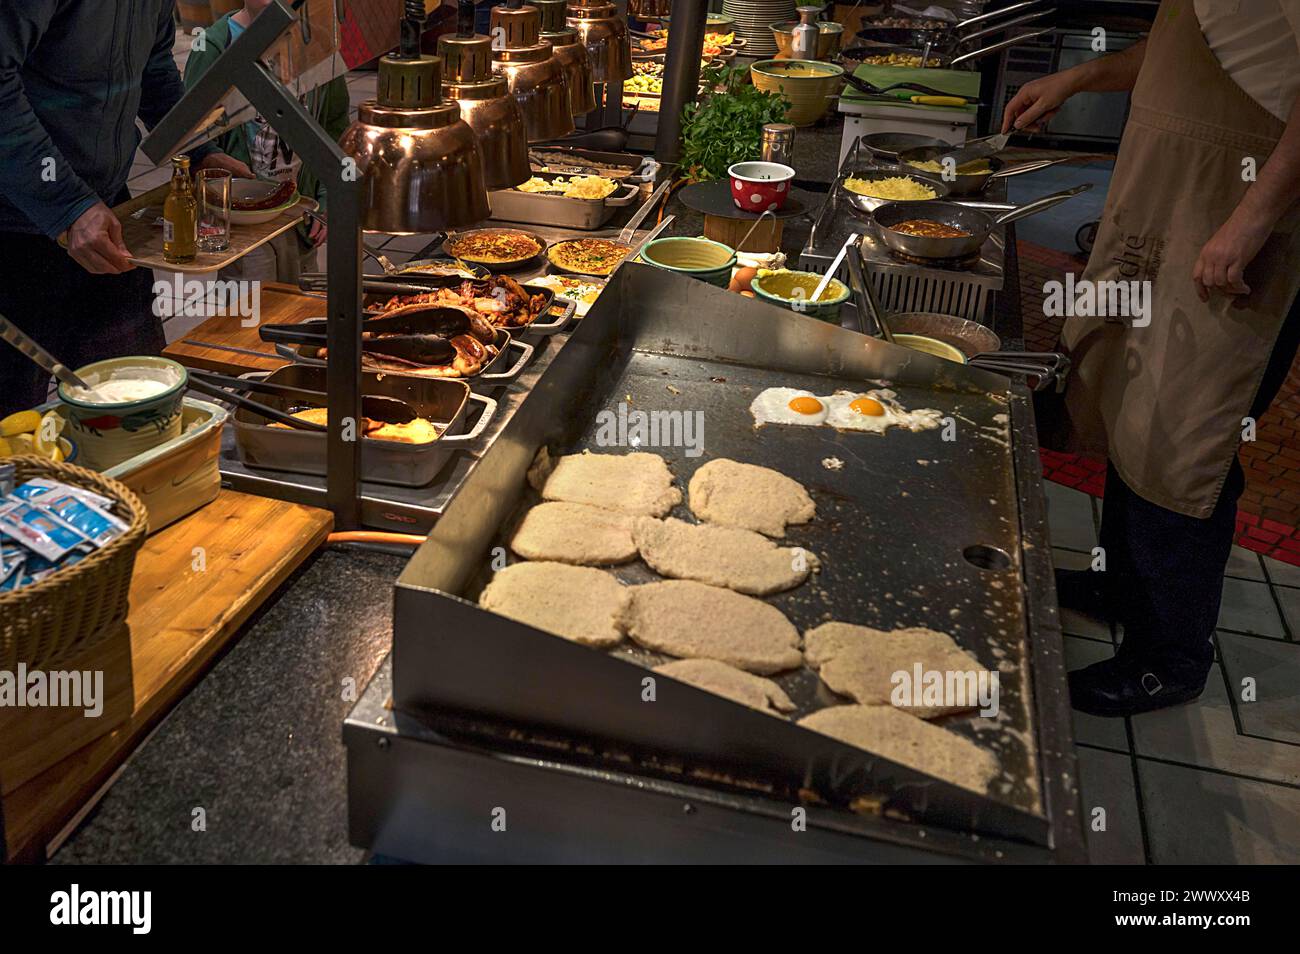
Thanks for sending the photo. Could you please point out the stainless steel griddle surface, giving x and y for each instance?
(892, 525)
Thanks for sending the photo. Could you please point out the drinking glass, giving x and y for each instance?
(214, 209)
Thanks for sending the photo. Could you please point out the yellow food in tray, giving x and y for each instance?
(644, 84)
(976, 167)
(577, 187)
(897, 188)
(417, 431)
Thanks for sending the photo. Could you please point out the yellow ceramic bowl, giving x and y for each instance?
(807, 84)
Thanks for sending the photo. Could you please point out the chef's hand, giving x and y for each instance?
(95, 242)
(219, 160)
(1037, 102)
(1224, 258)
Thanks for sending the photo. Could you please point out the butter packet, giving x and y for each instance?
(12, 557)
(41, 485)
(37, 530)
(96, 525)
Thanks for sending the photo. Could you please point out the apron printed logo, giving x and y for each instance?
(191, 298)
(956, 689)
(638, 429)
(1084, 298)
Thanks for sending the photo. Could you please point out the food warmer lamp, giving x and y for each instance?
(531, 70)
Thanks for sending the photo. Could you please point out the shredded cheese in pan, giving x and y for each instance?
(897, 187)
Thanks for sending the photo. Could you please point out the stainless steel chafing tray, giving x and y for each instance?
(541, 208)
(511, 358)
(446, 402)
(912, 531)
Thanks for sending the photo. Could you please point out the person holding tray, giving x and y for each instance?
(255, 142)
(75, 75)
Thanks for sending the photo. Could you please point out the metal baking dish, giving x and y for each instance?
(539, 208)
(570, 160)
(444, 401)
(485, 380)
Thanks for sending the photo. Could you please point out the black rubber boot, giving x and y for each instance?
(1123, 686)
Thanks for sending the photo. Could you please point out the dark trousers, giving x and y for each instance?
(1166, 568)
(76, 316)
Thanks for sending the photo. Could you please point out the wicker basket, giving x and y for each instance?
(76, 607)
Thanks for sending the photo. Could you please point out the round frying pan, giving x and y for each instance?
(891, 145)
(863, 205)
(972, 183)
(976, 223)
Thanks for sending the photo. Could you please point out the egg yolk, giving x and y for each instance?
(805, 405)
(868, 406)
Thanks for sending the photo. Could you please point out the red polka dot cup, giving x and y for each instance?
(760, 186)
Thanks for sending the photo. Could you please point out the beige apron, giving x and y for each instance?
(1166, 401)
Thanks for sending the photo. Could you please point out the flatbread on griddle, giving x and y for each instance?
(634, 483)
(575, 533)
(695, 621)
(733, 494)
(737, 559)
(860, 662)
(576, 602)
(731, 683)
(910, 741)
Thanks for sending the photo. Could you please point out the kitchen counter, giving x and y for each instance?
(257, 743)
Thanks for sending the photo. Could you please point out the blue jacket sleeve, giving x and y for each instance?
(34, 175)
(160, 86)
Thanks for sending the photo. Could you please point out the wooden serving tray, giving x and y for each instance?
(145, 240)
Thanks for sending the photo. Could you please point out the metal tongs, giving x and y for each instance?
(421, 336)
(376, 407)
(1047, 368)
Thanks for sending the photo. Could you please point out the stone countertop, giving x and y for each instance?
(257, 743)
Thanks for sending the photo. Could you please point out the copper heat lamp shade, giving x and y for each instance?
(533, 74)
(487, 105)
(605, 35)
(420, 165)
(572, 54)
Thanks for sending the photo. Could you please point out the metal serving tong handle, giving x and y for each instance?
(207, 387)
(865, 296)
(26, 344)
(1048, 368)
(1038, 205)
(627, 234)
(375, 406)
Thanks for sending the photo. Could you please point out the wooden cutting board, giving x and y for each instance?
(208, 346)
(180, 618)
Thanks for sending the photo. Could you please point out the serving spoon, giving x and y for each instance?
(28, 346)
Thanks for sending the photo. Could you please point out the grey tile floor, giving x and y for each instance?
(1216, 781)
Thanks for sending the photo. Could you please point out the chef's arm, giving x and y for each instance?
(34, 175)
(1038, 101)
(1221, 266)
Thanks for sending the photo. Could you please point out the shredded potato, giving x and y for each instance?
(898, 188)
(577, 187)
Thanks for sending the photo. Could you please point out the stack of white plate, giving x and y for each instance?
(754, 19)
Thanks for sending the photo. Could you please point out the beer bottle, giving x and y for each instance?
(180, 215)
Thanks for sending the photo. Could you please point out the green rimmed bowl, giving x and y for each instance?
(700, 258)
(783, 287)
(107, 434)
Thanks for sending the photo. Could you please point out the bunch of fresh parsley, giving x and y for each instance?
(727, 127)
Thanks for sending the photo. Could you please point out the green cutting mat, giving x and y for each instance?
(956, 82)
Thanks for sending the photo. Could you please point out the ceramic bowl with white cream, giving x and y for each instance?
(132, 405)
